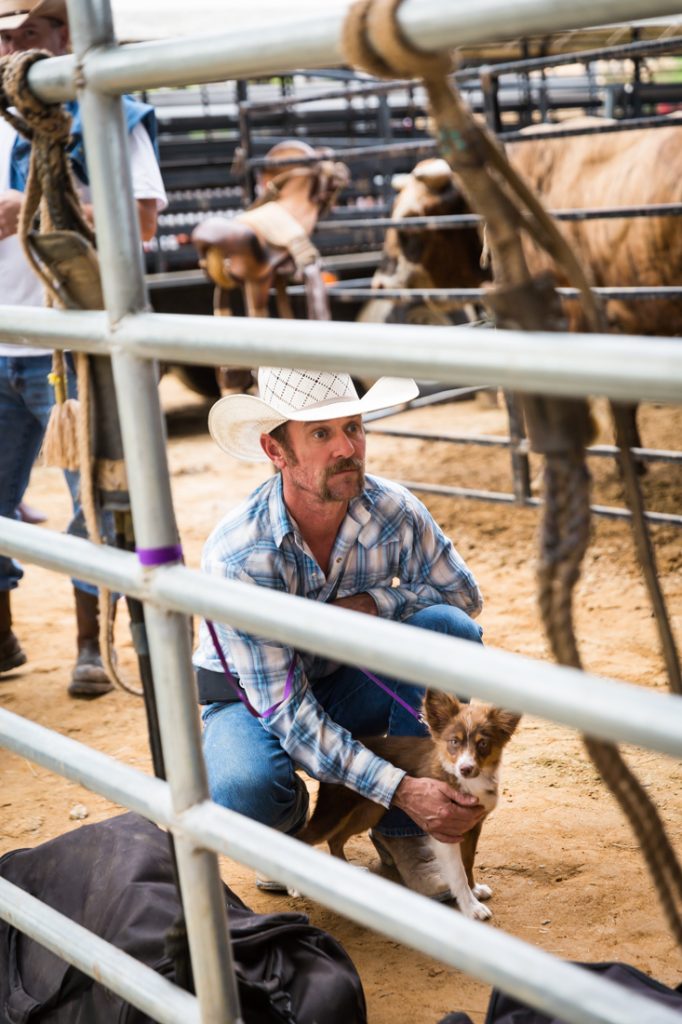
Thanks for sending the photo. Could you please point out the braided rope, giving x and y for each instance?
(373, 41)
(643, 544)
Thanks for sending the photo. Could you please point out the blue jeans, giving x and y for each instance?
(26, 398)
(250, 772)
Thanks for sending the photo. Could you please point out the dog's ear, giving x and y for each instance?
(439, 709)
(505, 722)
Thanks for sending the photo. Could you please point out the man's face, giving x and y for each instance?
(325, 459)
(35, 34)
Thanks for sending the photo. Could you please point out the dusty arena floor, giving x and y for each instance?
(566, 873)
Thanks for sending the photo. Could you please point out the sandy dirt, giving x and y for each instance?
(565, 869)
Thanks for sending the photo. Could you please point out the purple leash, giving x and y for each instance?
(399, 700)
(288, 685)
(173, 553)
(151, 557)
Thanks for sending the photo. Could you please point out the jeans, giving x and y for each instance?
(26, 398)
(250, 772)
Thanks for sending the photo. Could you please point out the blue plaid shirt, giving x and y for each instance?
(387, 536)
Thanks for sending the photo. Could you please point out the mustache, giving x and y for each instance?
(343, 465)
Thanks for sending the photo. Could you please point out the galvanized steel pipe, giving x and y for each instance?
(266, 45)
(623, 367)
(144, 445)
(550, 984)
(137, 983)
(589, 703)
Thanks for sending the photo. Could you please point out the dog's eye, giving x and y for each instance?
(483, 746)
(453, 743)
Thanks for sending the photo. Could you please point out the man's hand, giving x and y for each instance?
(10, 206)
(438, 808)
(357, 603)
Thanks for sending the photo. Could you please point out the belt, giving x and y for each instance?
(213, 686)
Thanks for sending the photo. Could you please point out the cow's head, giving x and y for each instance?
(426, 257)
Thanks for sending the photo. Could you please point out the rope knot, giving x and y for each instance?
(47, 119)
(373, 40)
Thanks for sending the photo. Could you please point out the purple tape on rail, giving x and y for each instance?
(159, 556)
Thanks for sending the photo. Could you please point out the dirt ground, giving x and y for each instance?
(566, 872)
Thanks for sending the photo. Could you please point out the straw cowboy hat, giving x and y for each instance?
(236, 422)
(13, 13)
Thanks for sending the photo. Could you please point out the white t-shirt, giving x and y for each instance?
(19, 285)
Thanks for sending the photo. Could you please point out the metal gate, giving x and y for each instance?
(622, 368)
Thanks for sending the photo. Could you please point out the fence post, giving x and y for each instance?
(143, 433)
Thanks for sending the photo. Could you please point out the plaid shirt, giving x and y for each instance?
(387, 534)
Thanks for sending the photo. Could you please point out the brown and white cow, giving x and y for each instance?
(628, 168)
(428, 257)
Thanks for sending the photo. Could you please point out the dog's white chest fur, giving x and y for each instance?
(485, 787)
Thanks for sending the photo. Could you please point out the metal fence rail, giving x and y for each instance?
(369, 900)
(299, 41)
(623, 368)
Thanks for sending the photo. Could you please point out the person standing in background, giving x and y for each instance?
(26, 396)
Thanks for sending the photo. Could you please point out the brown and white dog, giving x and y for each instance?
(464, 749)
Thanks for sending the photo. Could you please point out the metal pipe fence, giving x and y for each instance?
(521, 497)
(353, 292)
(624, 368)
(298, 41)
(427, 147)
(360, 87)
(367, 899)
(468, 220)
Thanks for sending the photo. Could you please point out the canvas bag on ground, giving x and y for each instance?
(505, 1009)
(115, 878)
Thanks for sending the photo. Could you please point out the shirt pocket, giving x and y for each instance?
(376, 567)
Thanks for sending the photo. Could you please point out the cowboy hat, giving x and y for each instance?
(236, 422)
(13, 13)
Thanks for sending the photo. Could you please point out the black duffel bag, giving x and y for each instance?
(115, 878)
(506, 1009)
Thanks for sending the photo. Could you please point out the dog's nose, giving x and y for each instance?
(467, 770)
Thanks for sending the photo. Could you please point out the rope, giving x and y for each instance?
(623, 420)
(372, 40)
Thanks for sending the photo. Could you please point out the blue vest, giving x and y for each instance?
(135, 113)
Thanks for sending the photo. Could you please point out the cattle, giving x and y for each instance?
(627, 168)
(427, 258)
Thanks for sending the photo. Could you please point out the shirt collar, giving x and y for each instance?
(359, 509)
(280, 519)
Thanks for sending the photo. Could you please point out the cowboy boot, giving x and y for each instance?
(89, 678)
(11, 653)
(412, 858)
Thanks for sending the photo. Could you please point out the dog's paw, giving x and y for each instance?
(294, 893)
(482, 892)
(476, 911)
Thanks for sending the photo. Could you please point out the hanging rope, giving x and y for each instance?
(559, 429)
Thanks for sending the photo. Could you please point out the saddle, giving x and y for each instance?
(268, 245)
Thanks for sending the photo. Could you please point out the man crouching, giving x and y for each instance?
(321, 529)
